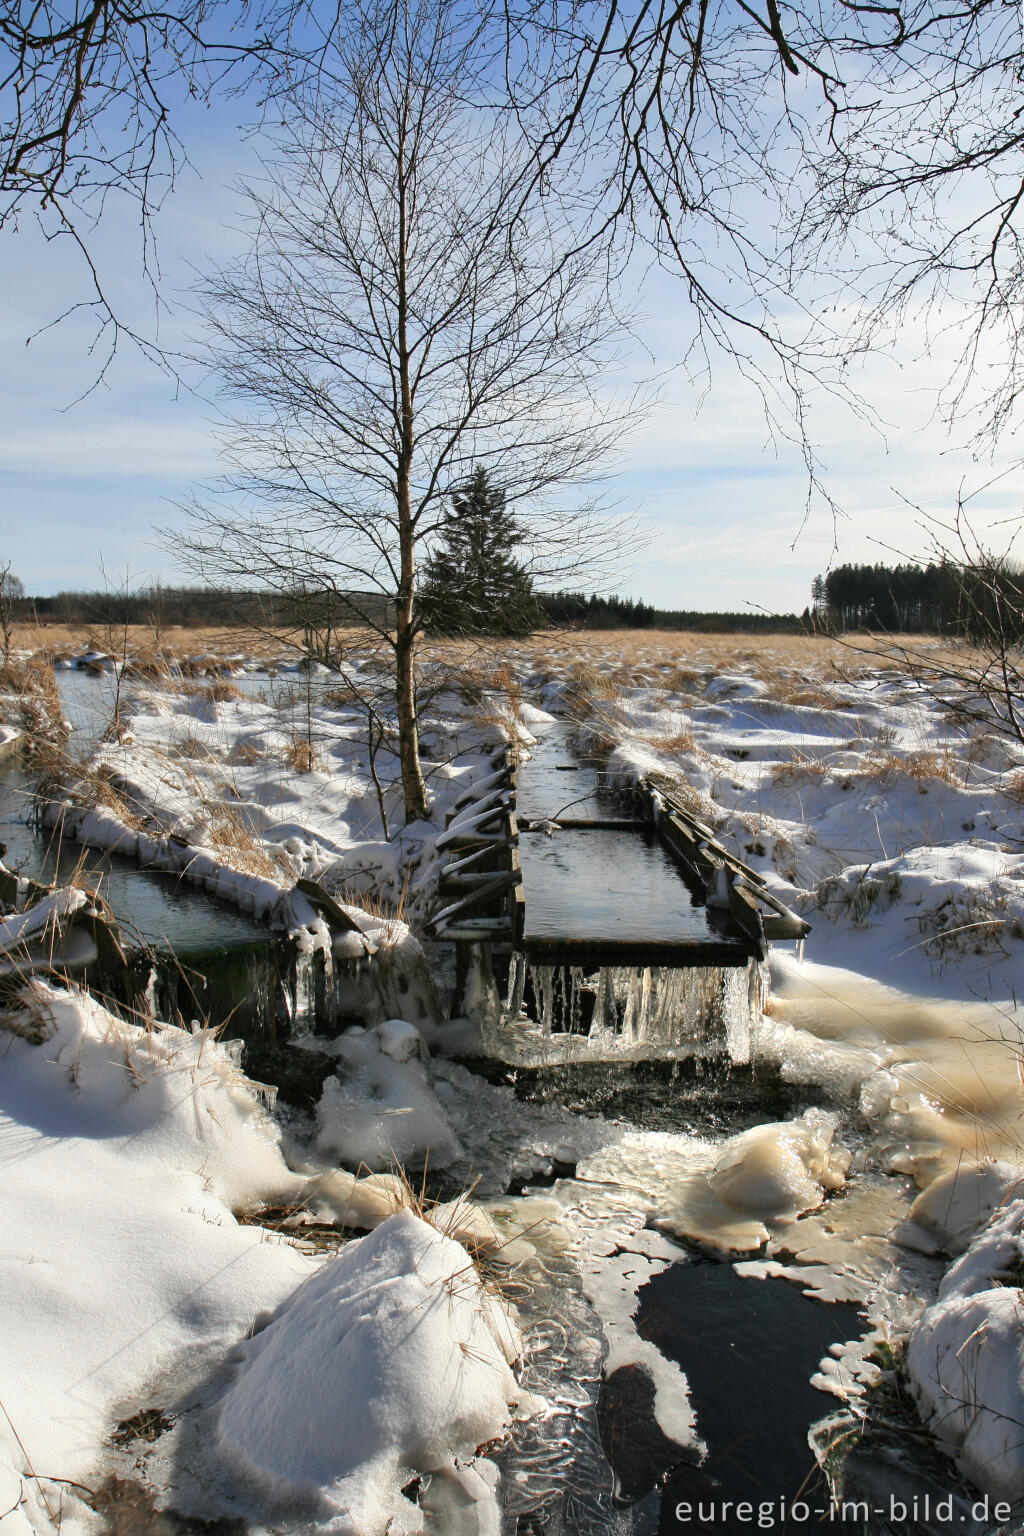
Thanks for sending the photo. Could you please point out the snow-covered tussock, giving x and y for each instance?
(391, 1362)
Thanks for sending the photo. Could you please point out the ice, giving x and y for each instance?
(378, 1112)
(634, 1012)
(779, 1171)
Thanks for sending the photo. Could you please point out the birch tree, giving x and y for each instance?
(404, 315)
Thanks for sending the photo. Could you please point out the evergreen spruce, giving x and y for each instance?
(472, 584)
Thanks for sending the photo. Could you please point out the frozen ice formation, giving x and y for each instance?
(765, 1176)
(778, 1171)
(379, 1110)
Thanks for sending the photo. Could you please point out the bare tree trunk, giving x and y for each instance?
(413, 788)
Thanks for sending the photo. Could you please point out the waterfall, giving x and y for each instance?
(560, 1012)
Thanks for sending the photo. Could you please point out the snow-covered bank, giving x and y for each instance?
(127, 1154)
(965, 1358)
(124, 1156)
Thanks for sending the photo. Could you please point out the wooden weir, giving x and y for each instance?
(648, 885)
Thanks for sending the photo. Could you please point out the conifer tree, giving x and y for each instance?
(472, 583)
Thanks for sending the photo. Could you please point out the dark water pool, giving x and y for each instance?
(749, 1349)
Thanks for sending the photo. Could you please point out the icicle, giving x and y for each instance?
(644, 1022)
(543, 978)
(303, 1009)
(631, 1017)
(637, 1012)
(516, 986)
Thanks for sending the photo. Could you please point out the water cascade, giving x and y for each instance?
(555, 1013)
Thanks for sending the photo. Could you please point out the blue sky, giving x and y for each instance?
(721, 504)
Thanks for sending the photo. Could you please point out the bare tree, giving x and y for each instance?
(980, 680)
(745, 140)
(92, 94)
(848, 159)
(12, 591)
(403, 316)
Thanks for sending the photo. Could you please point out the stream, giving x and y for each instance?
(597, 1463)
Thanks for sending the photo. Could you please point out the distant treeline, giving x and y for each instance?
(163, 607)
(973, 601)
(889, 597)
(191, 607)
(591, 612)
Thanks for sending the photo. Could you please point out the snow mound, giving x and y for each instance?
(390, 1362)
(170, 1096)
(380, 1110)
(126, 1151)
(965, 1358)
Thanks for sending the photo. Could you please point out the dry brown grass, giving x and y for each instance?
(678, 745)
(804, 697)
(689, 651)
(189, 744)
(176, 642)
(34, 705)
(1012, 786)
(801, 770)
(681, 679)
(245, 754)
(478, 676)
(301, 756)
(219, 690)
(233, 838)
(101, 786)
(922, 766)
(150, 664)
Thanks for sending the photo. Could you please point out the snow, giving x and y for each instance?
(379, 1111)
(403, 1314)
(965, 1358)
(44, 916)
(898, 834)
(206, 786)
(955, 1206)
(125, 1154)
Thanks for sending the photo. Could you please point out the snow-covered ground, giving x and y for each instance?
(895, 829)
